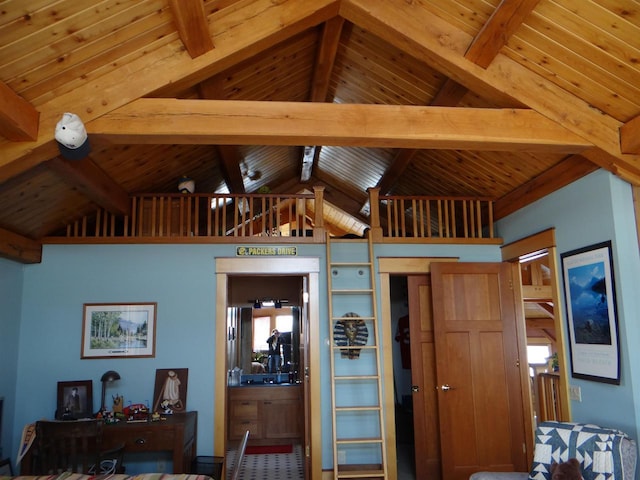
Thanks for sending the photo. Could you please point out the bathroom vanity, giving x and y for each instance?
(273, 413)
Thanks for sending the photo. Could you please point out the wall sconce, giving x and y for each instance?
(107, 377)
(257, 304)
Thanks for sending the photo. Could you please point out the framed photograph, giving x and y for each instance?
(119, 330)
(75, 400)
(170, 392)
(591, 313)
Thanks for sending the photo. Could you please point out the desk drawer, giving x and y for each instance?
(143, 439)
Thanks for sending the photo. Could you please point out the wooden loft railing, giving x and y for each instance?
(425, 218)
(283, 218)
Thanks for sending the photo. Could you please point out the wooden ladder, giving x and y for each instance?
(359, 447)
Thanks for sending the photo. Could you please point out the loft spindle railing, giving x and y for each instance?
(299, 218)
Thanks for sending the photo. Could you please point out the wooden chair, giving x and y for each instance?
(73, 446)
(235, 474)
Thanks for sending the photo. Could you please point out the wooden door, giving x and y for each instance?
(423, 377)
(480, 401)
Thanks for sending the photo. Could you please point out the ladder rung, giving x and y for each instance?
(351, 291)
(356, 377)
(356, 441)
(354, 347)
(373, 408)
(355, 318)
(361, 473)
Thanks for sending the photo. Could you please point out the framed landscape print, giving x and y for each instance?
(591, 313)
(119, 330)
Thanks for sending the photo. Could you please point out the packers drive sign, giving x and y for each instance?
(266, 251)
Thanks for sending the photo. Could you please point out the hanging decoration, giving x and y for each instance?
(350, 331)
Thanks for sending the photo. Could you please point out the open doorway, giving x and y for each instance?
(404, 425)
(543, 324)
(266, 271)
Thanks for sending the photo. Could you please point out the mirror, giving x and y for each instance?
(249, 328)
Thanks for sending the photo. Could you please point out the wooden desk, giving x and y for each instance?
(177, 434)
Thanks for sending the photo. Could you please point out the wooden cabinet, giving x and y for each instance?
(271, 413)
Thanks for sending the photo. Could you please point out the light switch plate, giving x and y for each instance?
(575, 393)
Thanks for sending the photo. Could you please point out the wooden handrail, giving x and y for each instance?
(224, 218)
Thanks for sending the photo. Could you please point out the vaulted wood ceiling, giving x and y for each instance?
(508, 99)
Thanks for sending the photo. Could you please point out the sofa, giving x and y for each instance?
(603, 453)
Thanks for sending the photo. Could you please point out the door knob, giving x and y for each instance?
(415, 388)
(445, 388)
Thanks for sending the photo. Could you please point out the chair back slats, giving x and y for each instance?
(67, 446)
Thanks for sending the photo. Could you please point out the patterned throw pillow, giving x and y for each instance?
(597, 449)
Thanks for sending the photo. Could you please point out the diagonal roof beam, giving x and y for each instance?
(18, 118)
(234, 122)
(193, 27)
(403, 25)
(18, 248)
(495, 33)
(230, 164)
(230, 156)
(325, 59)
(93, 182)
(239, 34)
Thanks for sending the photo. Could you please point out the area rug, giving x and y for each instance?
(264, 449)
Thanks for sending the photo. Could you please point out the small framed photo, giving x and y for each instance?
(75, 400)
(591, 313)
(119, 330)
(170, 391)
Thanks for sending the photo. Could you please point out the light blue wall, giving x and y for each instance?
(181, 279)
(594, 209)
(10, 314)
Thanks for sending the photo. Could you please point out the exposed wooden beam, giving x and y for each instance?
(230, 164)
(501, 25)
(403, 25)
(167, 121)
(230, 157)
(239, 33)
(325, 58)
(400, 163)
(193, 27)
(630, 136)
(560, 175)
(495, 33)
(93, 182)
(18, 118)
(18, 248)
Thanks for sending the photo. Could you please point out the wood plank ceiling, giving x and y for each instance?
(508, 99)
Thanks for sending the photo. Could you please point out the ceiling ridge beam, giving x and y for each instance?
(441, 46)
(235, 122)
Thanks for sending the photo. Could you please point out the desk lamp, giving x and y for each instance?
(108, 377)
